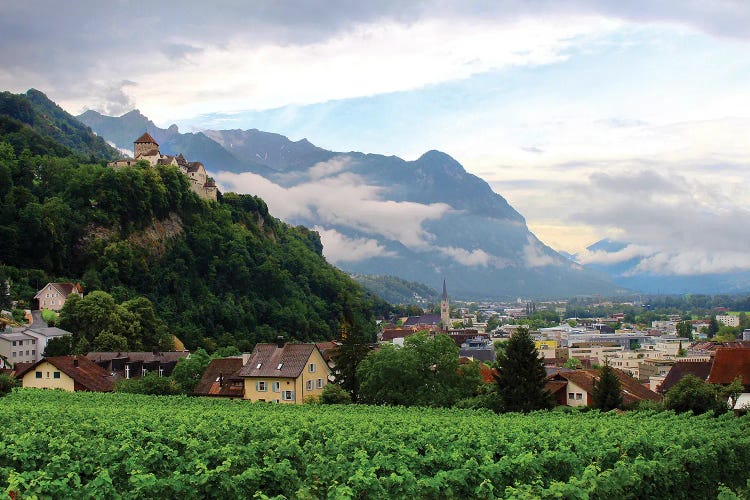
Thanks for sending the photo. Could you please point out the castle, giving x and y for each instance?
(146, 148)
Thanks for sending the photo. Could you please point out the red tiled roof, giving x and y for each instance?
(87, 375)
(729, 363)
(145, 139)
(488, 374)
(395, 333)
(269, 360)
(681, 369)
(218, 379)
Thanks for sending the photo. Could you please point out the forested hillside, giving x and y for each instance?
(224, 273)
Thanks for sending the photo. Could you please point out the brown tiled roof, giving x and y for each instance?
(65, 289)
(729, 363)
(554, 386)
(88, 376)
(681, 369)
(193, 166)
(145, 138)
(269, 360)
(394, 333)
(488, 374)
(144, 356)
(327, 349)
(181, 160)
(218, 377)
(632, 390)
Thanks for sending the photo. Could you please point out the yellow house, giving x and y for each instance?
(284, 373)
(69, 373)
(546, 348)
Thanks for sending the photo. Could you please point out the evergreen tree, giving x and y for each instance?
(713, 327)
(607, 393)
(353, 349)
(521, 376)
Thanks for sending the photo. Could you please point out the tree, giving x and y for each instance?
(731, 393)
(521, 376)
(334, 394)
(693, 394)
(7, 383)
(573, 363)
(59, 346)
(425, 372)
(713, 327)
(607, 393)
(685, 329)
(188, 371)
(151, 383)
(348, 356)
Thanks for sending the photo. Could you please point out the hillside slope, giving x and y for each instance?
(219, 273)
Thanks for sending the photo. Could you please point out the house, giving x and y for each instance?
(147, 149)
(284, 373)
(28, 342)
(221, 379)
(682, 369)
(730, 363)
(137, 364)
(575, 387)
(53, 295)
(69, 373)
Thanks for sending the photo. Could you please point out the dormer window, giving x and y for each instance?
(259, 365)
(280, 365)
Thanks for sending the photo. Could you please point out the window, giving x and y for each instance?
(311, 368)
(579, 395)
(287, 395)
(320, 383)
(27, 353)
(309, 385)
(276, 386)
(14, 343)
(13, 354)
(38, 374)
(56, 375)
(261, 386)
(571, 395)
(33, 352)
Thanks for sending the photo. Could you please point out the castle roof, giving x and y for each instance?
(145, 139)
(193, 166)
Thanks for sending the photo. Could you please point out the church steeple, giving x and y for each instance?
(445, 311)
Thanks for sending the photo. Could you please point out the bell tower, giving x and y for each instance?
(445, 311)
(145, 145)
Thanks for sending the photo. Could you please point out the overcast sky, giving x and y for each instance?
(594, 119)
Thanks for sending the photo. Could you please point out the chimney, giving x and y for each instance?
(155, 351)
(221, 380)
(280, 342)
(75, 361)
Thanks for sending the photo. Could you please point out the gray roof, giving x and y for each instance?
(10, 336)
(144, 356)
(269, 360)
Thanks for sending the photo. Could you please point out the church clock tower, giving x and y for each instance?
(445, 310)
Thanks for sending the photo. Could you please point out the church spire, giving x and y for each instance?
(445, 311)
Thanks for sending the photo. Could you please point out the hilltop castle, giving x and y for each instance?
(146, 148)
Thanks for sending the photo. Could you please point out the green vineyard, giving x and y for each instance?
(83, 445)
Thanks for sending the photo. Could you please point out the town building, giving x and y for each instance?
(728, 320)
(53, 295)
(68, 373)
(26, 343)
(137, 364)
(222, 379)
(284, 373)
(575, 387)
(146, 148)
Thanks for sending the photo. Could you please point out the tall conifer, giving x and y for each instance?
(521, 376)
(607, 393)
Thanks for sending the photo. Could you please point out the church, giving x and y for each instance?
(146, 148)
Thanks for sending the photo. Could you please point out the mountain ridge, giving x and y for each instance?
(420, 220)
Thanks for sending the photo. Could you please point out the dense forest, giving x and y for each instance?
(218, 274)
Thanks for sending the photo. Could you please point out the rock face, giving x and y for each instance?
(422, 220)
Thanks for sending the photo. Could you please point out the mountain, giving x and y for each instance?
(397, 291)
(422, 220)
(224, 273)
(625, 273)
(53, 124)
(122, 130)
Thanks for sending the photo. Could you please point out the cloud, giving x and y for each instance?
(112, 98)
(345, 200)
(534, 255)
(339, 248)
(474, 258)
(624, 255)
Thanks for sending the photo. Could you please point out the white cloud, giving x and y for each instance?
(534, 256)
(344, 200)
(602, 257)
(477, 257)
(339, 248)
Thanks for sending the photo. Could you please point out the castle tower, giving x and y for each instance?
(445, 310)
(145, 145)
